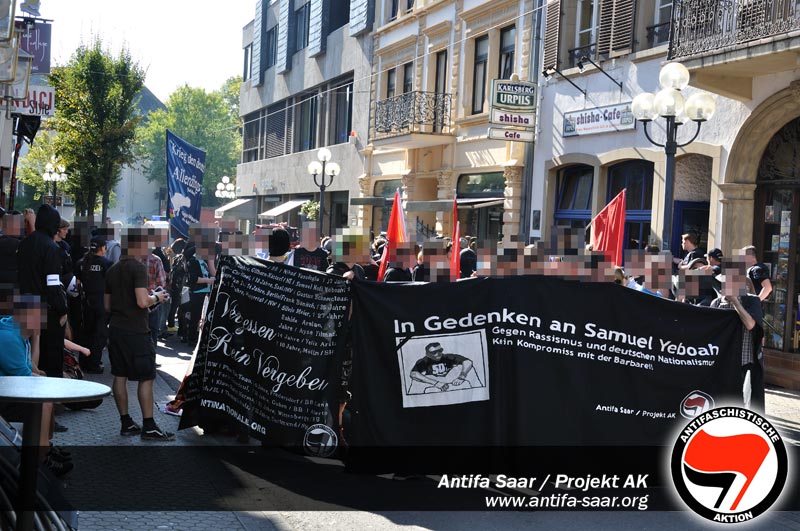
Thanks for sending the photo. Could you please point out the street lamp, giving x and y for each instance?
(54, 173)
(225, 189)
(669, 103)
(324, 168)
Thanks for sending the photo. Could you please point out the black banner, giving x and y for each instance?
(528, 361)
(269, 356)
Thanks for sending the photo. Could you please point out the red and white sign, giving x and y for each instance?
(40, 101)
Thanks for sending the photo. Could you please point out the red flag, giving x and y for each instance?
(396, 234)
(455, 254)
(608, 228)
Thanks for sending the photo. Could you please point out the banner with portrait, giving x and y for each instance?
(529, 360)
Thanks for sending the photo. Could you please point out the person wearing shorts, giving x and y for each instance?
(130, 350)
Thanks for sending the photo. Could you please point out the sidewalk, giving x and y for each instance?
(100, 427)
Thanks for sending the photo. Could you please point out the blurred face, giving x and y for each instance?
(29, 313)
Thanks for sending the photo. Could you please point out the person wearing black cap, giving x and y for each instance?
(91, 273)
(715, 257)
(39, 267)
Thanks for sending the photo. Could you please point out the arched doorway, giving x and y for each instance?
(777, 212)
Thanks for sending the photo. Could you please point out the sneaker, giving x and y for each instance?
(130, 429)
(59, 428)
(58, 468)
(157, 434)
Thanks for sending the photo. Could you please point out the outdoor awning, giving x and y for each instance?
(371, 201)
(283, 208)
(445, 205)
(233, 204)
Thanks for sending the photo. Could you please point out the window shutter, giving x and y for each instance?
(285, 36)
(552, 32)
(615, 36)
(362, 13)
(318, 27)
(276, 130)
(256, 73)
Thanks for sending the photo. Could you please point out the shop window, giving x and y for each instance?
(574, 196)
(491, 184)
(776, 236)
(380, 215)
(636, 176)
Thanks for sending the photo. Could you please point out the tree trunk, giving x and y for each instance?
(106, 199)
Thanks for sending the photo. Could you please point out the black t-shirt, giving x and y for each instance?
(316, 259)
(121, 280)
(8, 259)
(93, 278)
(697, 252)
(431, 367)
(396, 274)
(758, 274)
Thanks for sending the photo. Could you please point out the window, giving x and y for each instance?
(250, 137)
(305, 122)
(508, 38)
(586, 23)
(637, 177)
(271, 47)
(248, 62)
(574, 196)
(479, 74)
(439, 88)
(660, 31)
(276, 130)
(301, 21)
(409, 5)
(341, 112)
(491, 184)
(381, 214)
(408, 77)
(393, 11)
(339, 14)
(391, 82)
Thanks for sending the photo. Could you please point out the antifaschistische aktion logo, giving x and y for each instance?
(729, 464)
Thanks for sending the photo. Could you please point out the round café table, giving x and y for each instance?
(33, 391)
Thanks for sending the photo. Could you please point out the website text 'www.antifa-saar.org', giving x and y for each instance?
(523, 392)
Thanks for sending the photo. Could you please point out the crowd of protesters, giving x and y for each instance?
(88, 288)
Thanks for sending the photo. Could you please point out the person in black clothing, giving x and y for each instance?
(9, 241)
(91, 272)
(689, 243)
(39, 266)
(200, 276)
(757, 272)
(175, 280)
(468, 258)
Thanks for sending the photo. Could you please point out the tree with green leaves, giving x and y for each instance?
(96, 120)
(208, 121)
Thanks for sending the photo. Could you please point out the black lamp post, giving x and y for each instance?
(669, 103)
(323, 169)
(54, 173)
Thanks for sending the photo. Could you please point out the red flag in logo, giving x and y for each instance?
(711, 455)
(396, 234)
(608, 228)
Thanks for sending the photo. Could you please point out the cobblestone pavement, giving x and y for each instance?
(100, 427)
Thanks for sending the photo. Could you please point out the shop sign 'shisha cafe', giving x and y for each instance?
(599, 120)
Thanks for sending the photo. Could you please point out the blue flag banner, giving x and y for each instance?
(185, 166)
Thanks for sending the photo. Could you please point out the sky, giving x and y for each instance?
(177, 42)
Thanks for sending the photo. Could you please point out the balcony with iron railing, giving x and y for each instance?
(735, 39)
(413, 119)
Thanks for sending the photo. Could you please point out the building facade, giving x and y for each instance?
(307, 66)
(431, 81)
(736, 184)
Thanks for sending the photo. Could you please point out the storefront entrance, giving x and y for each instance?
(777, 235)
